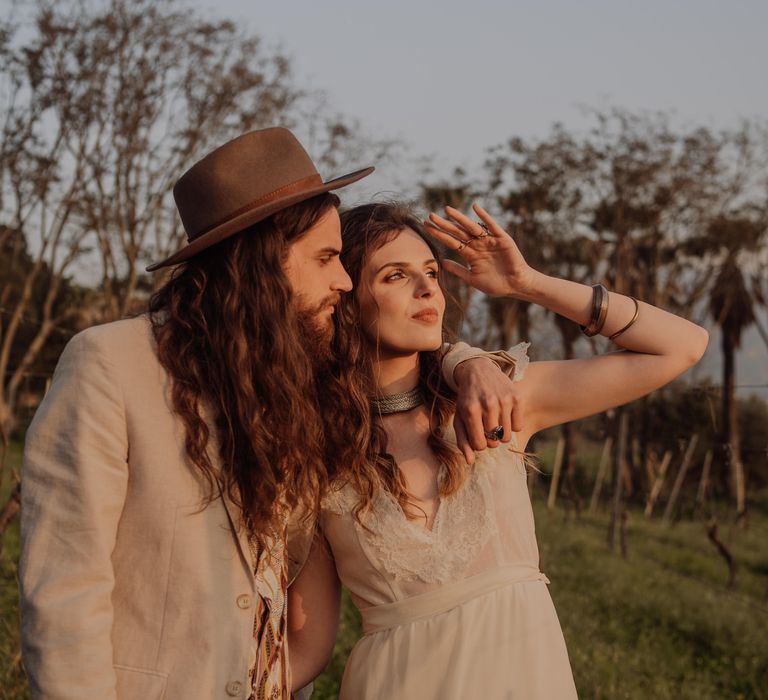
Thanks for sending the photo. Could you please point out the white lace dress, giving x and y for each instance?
(458, 611)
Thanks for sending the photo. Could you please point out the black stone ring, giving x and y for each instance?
(496, 434)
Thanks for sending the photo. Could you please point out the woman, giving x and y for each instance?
(441, 558)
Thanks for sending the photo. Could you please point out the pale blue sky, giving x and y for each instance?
(452, 78)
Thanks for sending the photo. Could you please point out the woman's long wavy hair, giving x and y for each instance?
(365, 229)
(231, 339)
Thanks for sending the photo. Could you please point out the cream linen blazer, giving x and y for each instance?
(129, 589)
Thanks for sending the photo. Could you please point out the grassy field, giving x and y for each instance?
(657, 624)
(12, 681)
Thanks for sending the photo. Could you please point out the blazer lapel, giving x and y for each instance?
(234, 512)
(239, 531)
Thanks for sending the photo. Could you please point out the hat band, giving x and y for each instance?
(305, 183)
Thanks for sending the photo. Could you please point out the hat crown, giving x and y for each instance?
(242, 183)
(246, 170)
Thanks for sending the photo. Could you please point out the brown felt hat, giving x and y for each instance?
(243, 182)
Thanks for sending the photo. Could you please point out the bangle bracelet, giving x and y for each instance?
(603, 315)
(634, 318)
(599, 311)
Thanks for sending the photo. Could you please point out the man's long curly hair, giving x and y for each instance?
(365, 229)
(243, 383)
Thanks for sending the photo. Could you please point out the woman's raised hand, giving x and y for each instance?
(496, 265)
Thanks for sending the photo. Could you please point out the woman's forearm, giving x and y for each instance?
(314, 601)
(655, 332)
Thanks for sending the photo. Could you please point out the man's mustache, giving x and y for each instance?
(332, 300)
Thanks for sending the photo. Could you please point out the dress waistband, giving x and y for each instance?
(442, 599)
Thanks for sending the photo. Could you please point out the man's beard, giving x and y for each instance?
(316, 336)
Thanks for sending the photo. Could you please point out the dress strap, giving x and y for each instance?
(445, 597)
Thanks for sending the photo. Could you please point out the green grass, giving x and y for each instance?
(658, 624)
(12, 681)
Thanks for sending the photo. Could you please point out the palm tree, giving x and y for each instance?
(733, 300)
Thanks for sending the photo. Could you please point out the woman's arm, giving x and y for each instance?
(658, 347)
(313, 614)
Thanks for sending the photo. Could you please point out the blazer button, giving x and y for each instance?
(244, 602)
(234, 688)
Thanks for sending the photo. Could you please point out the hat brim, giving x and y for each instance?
(253, 216)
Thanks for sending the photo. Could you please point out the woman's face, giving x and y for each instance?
(401, 303)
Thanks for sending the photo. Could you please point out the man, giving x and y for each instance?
(165, 467)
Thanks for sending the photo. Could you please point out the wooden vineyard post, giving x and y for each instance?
(679, 480)
(601, 469)
(559, 453)
(658, 483)
(621, 447)
(704, 481)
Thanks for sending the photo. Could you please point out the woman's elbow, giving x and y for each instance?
(703, 342)
(696, 345)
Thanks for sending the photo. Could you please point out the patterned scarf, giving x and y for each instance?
(271, 677)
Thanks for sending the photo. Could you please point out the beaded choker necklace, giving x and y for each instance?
(398, 403)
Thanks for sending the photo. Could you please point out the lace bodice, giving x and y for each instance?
(487, 523)
(409, 551)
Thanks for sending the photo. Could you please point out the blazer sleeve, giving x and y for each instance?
(512, 362)
(74, 482)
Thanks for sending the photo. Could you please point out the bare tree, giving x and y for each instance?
(161, 86)
(652, 212)
(650, 191)
(42, 166)
(105, 105)
(536, 194)
(539, 189)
